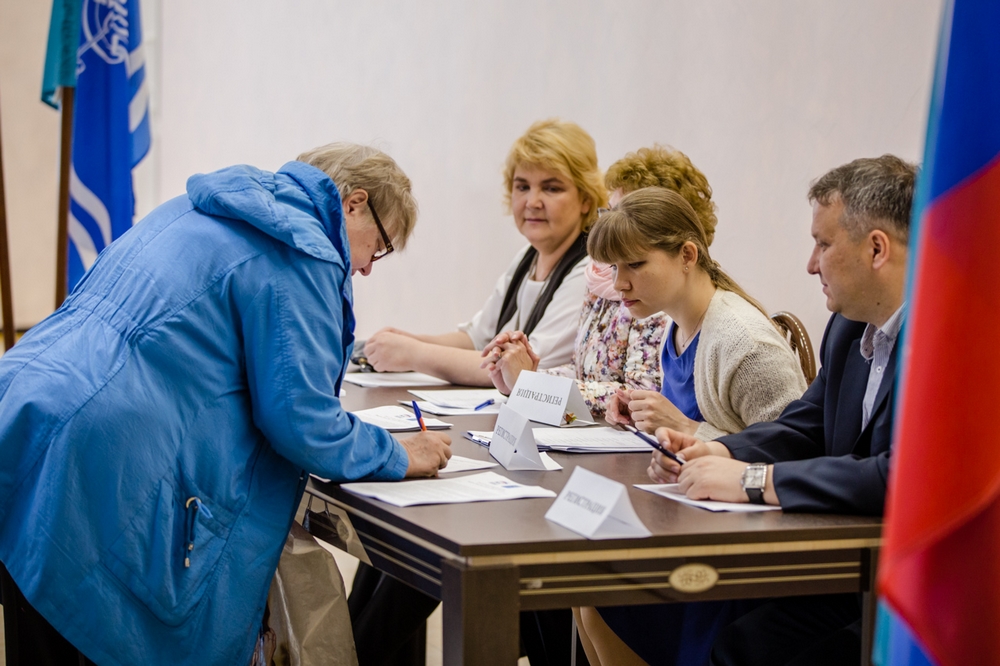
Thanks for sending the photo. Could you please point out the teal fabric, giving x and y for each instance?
(201, 356)
(60, 54)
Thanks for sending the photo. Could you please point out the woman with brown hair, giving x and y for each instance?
(724, 365)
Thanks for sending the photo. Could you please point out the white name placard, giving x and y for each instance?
(549, 399)
(596, 507)
(513, 443)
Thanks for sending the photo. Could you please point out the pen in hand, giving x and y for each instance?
(420, 417)
(652, 442)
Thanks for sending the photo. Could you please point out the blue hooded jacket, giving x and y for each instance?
(179, 397)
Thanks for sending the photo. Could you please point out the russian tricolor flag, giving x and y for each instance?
(939, 573)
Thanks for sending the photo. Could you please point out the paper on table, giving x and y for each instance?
(595, 440)
(481, 437)
(670, 491)
(550, 464)
(397, 419)
(482, 487)
(463, 401)
(432, 408)
(392, 379)
(463, 464)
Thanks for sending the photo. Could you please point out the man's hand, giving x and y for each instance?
(428, 452)
(651, 410)
(664, 470)
(391, 351)
(713, 477)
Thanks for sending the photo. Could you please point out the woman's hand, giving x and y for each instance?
(651, 410)
(617, 412)
(506, 356)
(391, 351)
(428, 452)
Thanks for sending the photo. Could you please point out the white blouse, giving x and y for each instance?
(553, 337)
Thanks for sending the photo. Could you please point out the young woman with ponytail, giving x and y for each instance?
(725, 366)
(724, 363)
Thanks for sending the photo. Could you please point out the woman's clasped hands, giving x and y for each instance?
(506, 356)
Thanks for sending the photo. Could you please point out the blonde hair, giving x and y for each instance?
(355, 167)
(663, 166)
(656, 218)
(563, 147)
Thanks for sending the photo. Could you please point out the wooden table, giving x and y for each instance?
(486, 561)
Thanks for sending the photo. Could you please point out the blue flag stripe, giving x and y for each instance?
(110, 127)
(967, 133)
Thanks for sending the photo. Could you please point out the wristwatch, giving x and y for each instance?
(753, 482)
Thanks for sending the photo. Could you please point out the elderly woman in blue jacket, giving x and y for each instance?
(157, 430)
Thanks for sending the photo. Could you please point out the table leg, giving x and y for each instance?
(481, 615)
(869, 608)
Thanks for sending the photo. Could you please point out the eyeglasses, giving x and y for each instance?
(385, 237)
(603, 211)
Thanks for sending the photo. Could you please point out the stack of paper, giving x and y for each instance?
(392, 379)
(595, 440)
(483, 487)
(672, 491)
(463, 464)
(397, 419)
(461, 402)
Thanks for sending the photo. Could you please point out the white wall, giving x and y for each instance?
(764, 97)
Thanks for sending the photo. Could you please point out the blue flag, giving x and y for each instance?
(110, 128)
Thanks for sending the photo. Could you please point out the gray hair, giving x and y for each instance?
(355, 167)
(877, 193)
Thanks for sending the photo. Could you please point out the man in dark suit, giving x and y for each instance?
(828, 451)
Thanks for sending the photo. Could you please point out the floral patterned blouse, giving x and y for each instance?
(613, 350)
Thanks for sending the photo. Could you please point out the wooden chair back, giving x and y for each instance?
(798, 338)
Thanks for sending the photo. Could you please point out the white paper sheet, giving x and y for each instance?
(397, 419)
(463, 464)
(594, 440)
(431, 408)
(483, 487)
(460, 402)
(392, 379)
(670, 491)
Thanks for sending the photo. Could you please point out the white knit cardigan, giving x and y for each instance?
(744, 370)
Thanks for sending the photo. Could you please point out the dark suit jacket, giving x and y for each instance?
(823, 461)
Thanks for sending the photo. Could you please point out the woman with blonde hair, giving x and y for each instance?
(725, 366)
(614, 351)
(553, 188)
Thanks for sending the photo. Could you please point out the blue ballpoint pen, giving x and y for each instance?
(420, 417)
(652, 442)
(484, 404)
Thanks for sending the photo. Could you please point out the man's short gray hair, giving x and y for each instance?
(355, 167)
(877, 193)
